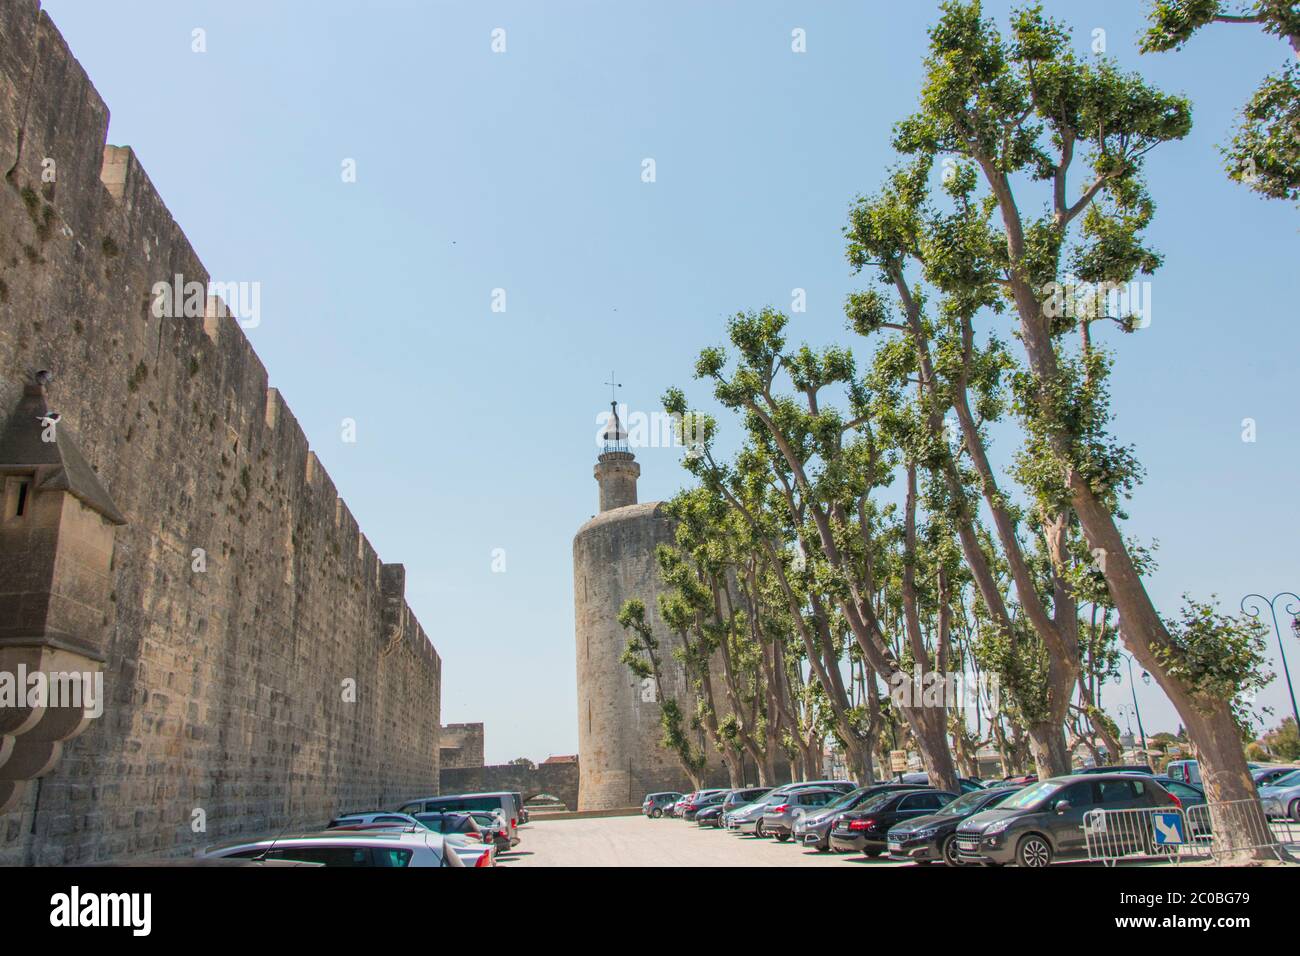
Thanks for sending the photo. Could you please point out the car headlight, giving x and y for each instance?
(996, 827)
(921, 834)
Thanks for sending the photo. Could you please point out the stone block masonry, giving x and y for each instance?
(227, 688)
(461, 746)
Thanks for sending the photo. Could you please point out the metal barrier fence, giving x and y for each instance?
(1235, 826)
(1204, 831)
(1114, 835)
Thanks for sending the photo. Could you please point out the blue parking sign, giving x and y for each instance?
(1168, 828)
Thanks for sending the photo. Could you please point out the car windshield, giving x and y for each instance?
(845, 800)
(1290, 780)
(876, 802)
(965, 804)
(1031, 795)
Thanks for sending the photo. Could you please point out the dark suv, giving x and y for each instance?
(1044, 821)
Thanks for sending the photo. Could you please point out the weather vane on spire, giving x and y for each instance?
(614, 431)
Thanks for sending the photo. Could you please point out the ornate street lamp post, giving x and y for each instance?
(1292, 608)
(1136, 711)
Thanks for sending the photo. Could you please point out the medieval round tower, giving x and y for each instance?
(620, 759)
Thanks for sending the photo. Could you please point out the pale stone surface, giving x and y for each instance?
(618, 719)
(639, 841)
(224, 688)
(461, 746)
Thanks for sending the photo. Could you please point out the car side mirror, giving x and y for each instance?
(1063, 806)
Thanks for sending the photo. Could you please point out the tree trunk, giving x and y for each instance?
(1051, 753)
(931, 736)
(734, 774)
(1209, 722)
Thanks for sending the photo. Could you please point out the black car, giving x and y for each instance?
(933, 837)
(967, 784)
(710, 816)
(866, 829)
(692, 810)
(814, 828)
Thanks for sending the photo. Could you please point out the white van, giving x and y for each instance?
(500, 801)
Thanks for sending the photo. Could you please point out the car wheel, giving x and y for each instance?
(758, 829)
(1033, 851)
(871, 853)
(782, 838)
(656, 813)
(949, 852)
(823, 849)
(1295, 810)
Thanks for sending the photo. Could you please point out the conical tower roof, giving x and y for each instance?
(59, 464)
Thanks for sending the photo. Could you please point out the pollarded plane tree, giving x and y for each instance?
(905, 240)
(826, 466)
(1030, 118)
(770, 516)
(1265, 150)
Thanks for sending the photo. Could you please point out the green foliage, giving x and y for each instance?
(1221, 658)
(1265, 150)
(1283, 741)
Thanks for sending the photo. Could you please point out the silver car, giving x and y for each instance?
(380, 848)
(1281, 798)
(749, 818)
(497, 800)
(780, 818)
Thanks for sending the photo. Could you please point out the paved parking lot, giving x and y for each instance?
(639, 841)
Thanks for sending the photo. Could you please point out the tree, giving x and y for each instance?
(1020, 111)
(642, 656)
(823, 467)
(899, 230)
(1265, 150)
(1283, 741)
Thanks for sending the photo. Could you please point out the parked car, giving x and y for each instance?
(1265, 776)
(779, 818)
(711, 816)
(494, 828)
(1281, 798)
(1044, 821)
(380, 848)
(923, 779)
(1020, 780)
(372, 816)
(654, 803)
(1118, 768)
(711, 802)
(1188, 795)
(471, 803)
(748, 818)
(691, 803)
(461, 823)
(865, 829)
(814, 829)
(933, 838)
(1189, 771)
(523, 811)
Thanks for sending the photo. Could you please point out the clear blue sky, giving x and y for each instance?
(522, 171)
